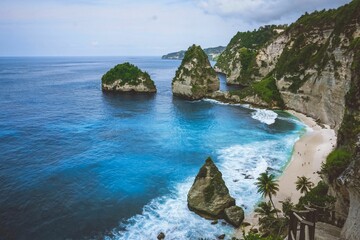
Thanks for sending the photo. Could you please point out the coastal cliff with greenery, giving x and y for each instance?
(195, 78)
(127, 77)
(312, 67)
(213, 53)
(238, 61)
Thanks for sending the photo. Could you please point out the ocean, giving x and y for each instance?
(77, 163)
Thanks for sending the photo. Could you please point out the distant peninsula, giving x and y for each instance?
(127, 77)
(212, 53)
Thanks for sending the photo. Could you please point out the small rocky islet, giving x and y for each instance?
(209, 196)
(127, 77)
(195, 78)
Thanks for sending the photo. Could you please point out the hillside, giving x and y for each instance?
(212, 53)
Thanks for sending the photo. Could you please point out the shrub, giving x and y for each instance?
(316, 196)
(336, 163)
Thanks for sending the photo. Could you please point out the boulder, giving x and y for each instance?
(161, 236)
(209, 196)
(127, 78)
(195, 78)
(234, 215)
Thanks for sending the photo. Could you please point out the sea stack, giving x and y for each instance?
(209, 197)
(127, 77)
(195, 78)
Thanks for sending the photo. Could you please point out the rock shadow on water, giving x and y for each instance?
(129, 100)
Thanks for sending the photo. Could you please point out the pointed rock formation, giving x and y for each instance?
(209, 196)
(195, 78)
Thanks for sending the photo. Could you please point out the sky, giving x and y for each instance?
(136, 27)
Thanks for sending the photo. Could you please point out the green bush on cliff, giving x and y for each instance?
(266, 89)
(336, 163)
(317, 196)
(128, 73)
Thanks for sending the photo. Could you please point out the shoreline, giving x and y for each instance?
(308, 154)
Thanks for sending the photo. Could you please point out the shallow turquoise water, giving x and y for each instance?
(76, 163)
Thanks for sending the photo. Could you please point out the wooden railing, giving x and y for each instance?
(302, 225)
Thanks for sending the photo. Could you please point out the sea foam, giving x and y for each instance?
(264, 116)
(240, 166)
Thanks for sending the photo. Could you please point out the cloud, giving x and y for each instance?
(265, 11)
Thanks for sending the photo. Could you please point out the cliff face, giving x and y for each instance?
(238, 61)
(315, 65)
(310, 61)
(127, 78)
(195, 78)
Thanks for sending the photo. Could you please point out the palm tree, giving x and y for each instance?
(303, 184)
(265, 210)
(267, 185)
(267, 220)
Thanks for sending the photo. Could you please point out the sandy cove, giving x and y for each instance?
(309, 152)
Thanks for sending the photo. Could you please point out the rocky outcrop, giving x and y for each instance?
(195, 78)
(127, 78)
(209, 196)
(234, 215)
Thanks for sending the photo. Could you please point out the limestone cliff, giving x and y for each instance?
(238, 59)
(127, 78)
(310, 61)
(195, 78)
(315, 66)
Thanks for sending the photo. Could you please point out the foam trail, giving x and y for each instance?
(264, 116)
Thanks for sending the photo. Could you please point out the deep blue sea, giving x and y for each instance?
(76, 163)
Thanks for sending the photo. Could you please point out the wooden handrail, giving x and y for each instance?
(304, 223)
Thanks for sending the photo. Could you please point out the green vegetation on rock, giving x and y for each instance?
(128, 74)
(243, 49)
(317, 196)
(266, 89)
(301, 53)
(195, 77)
(336, 163)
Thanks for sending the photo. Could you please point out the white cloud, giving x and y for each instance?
(265, 11)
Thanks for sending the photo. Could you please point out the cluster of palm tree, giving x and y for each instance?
(269, 220)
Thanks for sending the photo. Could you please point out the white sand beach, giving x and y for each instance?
(309, 152)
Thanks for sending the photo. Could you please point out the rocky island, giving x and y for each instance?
(195, 78)
(127, 77)
(209, 197)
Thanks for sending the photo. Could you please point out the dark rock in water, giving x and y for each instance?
(222, 236)
(214, 222)
(161, 236)
(209, 196)
(234, 215)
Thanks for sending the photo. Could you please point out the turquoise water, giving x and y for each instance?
(79, 164)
